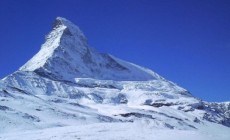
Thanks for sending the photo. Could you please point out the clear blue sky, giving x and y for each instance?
(185, 41)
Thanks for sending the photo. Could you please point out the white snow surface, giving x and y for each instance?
(70, 91)
(119, 131)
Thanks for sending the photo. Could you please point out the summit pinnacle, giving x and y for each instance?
(66, 55)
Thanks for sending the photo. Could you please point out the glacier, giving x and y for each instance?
(68, 88)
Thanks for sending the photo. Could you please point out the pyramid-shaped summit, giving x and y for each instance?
(66, 55)
(67, 86)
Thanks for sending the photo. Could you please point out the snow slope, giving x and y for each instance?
(119, 131)
(68, 88)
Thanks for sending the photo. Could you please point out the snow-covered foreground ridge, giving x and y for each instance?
(69, 86)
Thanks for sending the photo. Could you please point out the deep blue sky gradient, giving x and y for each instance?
(185, 41)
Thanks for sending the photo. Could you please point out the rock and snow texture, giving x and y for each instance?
(68, 88)
(66, 55)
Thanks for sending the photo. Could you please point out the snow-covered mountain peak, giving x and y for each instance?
(62, 21)
(69, 85)
(70, 28)
(66, 55)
